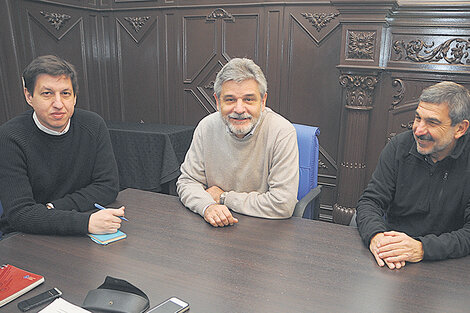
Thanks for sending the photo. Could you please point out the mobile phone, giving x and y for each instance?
(172, 305)
(41, 298)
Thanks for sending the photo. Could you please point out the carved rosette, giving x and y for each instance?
(137, 22)
(219, 13)
(359, 90)
(453, 51)
(319, 20)
(361, 45)
(57, 20)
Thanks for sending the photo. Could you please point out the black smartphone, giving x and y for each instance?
(39, 299)
(172, 305)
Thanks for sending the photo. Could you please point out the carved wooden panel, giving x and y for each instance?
(226, 34)
(137, 38)
(11, 95)
(57, 30)
(443, 49)
(311, 47)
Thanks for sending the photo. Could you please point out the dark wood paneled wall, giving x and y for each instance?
(353, 68)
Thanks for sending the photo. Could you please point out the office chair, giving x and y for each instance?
(309, 191)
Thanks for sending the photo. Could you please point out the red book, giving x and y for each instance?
(15, 282)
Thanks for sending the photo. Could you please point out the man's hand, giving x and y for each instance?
(400, 247)
(215, 193)
(219, 215)
(105, 221)
(375, 243)
(395, 248)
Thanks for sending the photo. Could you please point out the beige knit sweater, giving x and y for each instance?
(260, 172)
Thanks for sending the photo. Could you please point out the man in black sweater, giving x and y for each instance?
(417, 204)
(57, 161)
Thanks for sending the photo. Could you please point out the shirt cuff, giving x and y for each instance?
(204, 210)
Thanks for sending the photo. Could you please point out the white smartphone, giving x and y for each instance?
(172, 305)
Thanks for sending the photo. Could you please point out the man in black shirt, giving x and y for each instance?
(57, 161)
(417, 204)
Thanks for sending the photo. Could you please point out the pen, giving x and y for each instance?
(98, 206)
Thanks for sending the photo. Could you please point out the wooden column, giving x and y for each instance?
(363, 44)
(352, 168)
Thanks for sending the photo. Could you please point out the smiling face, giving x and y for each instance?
(433, 130)
(240, 105)
(53, 101)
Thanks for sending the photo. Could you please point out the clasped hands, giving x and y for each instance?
(394, 248)
(218, 214)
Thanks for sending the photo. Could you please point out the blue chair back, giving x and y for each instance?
(307, 140)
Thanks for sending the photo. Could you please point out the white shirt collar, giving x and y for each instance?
(47, 130)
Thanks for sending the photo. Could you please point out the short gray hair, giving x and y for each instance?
(456, 96)
(240, 69)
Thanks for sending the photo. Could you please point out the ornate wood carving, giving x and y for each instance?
(359, 98)
(361, 45)
(400, 91)
(453, 51)
(359, 90)
(390, 136)
(319, 20)
(342, 214)
(137, 22)
(322, 164)
(210, 86)
(220, 13)
(408, 125)
(57, 20)
(354, 165)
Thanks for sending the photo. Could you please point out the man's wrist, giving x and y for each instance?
(205, 208)
(222, 197)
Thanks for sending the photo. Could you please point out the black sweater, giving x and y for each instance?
(427, 201)
(72, 171)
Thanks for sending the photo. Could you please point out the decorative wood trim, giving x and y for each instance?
(219, 13)
(408, 125)
(453, 51)
(137, 22)
(398, 97)
(57, 20)
(359, 90)
(361, 45)
(322, 164)
(319, 20)
(342, 214)
(210, 86)
(354, 165)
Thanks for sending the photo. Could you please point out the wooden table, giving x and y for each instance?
(258, 265)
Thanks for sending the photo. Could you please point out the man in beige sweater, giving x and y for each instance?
(242, 158)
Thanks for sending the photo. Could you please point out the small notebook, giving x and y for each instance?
(15, 282)
(107, 238)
